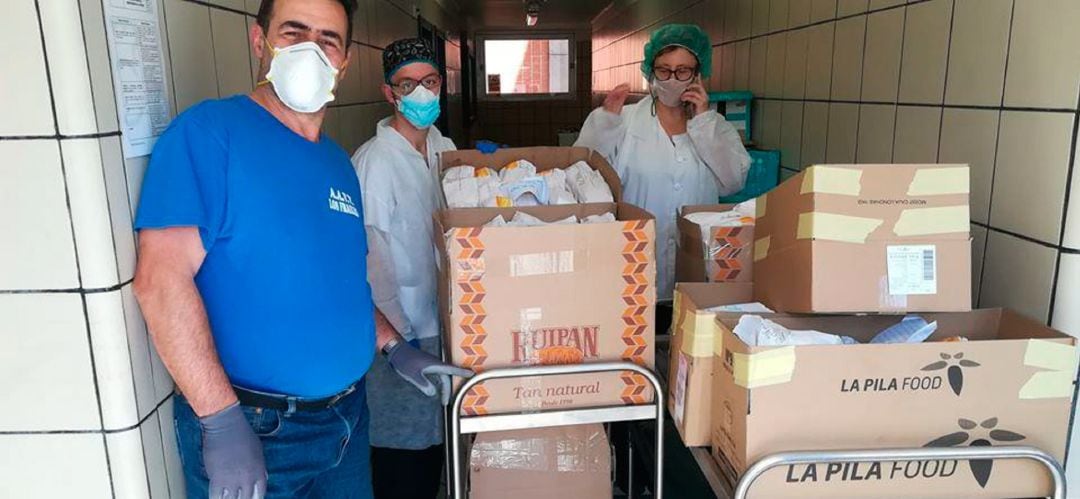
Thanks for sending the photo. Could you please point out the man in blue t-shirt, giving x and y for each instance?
(252, 275)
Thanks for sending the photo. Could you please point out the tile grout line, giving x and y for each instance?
(74, 244)
(862, 70)
(945, 80)
(824, 21)
(60, 136)
(142, 420)
(997, 145)
(899, 83)
(832, 68)
(642, 28)
(924, 104)
(1064, 213)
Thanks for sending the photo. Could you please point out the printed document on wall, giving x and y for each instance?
(139, 78)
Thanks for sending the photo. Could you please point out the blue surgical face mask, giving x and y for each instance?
(421, 107)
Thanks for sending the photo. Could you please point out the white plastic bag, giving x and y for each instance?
(558, 190)
(587, 184)
(757, 331)
(598, 219)
(460, 187)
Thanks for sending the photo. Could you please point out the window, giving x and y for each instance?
(526, 66)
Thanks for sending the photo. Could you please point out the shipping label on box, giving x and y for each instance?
(1011, 384)
(865, 238)
(555, 294)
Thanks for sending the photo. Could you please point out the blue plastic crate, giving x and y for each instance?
(764, 174)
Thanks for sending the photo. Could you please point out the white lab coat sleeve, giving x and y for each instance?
(602, 132)
(383, 280)
(720, 147)
(376, 193)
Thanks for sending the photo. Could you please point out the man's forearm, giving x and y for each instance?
(384, 331)
(176, 318)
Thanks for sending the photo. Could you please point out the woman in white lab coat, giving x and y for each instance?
(669, 149)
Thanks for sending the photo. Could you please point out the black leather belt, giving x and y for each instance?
(286, 403)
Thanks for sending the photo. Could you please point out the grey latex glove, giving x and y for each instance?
(233, 456)
(416, 365)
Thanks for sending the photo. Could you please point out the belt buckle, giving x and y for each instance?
(344, 393)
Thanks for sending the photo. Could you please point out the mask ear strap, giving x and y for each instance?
(273, 52)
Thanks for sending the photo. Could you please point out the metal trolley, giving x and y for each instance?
(902, 455)
(459, 426)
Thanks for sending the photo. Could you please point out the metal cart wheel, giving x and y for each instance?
(902, 455)
(516, 421)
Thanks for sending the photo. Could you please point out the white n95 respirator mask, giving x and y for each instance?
(302, 76)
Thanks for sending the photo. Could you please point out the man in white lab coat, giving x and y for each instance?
(398, 173)
(670, 149)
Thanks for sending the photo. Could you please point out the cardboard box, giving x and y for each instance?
(865, 238)
(513, 296)
(691, 357)
(545, 158)
(726, 256)
(1012, 384)
(542, 463)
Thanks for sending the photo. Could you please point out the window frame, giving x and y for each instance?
(481, 73)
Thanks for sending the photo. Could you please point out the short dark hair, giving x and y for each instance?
(266, 9)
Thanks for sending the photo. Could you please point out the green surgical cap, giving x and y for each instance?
(687, 36)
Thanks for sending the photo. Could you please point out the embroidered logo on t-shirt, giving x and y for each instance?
(342, 202)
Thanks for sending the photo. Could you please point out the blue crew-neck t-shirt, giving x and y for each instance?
(284, 281)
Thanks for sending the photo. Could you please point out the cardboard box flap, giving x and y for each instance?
(477, 217)
(977, 325)
(545, 158)
(697, 327)
(862, 203)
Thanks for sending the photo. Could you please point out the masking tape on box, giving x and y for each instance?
(760, 205)
(700, 334)
(939, 181)
(926, 221)
(771, 367)
(680, 315)
(761, 248)
(1059, 359)
(836, 227)
(551, 262)
(832, 180)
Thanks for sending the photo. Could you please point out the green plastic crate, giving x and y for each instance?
(764, 174)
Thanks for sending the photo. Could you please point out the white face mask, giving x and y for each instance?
(302, 76)
(669, 92)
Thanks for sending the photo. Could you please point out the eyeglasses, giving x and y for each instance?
(680, 73)
(406, 86)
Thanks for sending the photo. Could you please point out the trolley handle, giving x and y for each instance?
(903, 455)
(555, 370)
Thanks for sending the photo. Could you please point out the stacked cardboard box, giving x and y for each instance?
(1010, 384)
(726, 255)
(693, 332)
(870, 239)
(554, 294)
(865, 238)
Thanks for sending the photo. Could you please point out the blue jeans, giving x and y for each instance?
(318, 454)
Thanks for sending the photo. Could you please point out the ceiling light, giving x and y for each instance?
(532, 12)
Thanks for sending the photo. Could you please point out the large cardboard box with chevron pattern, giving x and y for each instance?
(865, 238)
(554, 294)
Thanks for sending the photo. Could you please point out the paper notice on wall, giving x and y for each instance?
(138, 66)
(912, 270)
(680, 388)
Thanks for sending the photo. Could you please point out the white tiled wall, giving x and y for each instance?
(992, 83)
(88, 407)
